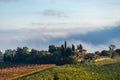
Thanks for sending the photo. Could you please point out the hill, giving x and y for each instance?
(102, 70)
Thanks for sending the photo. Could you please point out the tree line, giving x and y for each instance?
(55, 55)
(111, 53)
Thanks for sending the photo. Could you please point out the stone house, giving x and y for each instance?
(80, 54)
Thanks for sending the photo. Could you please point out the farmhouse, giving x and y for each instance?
(80, 53)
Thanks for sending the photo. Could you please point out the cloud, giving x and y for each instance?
(40, 38)
(99, 36)
(67, 28)
(50, 12)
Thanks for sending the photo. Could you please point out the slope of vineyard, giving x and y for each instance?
(14, 71)
(105, 70)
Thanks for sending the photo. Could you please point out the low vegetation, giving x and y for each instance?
(18, 70)
(108, 70)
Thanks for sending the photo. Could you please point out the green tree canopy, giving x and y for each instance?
(52, 48)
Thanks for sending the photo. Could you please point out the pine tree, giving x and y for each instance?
(65, 44)
(73, 47)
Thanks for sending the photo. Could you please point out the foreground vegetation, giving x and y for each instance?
(103, 70)
(18, 70)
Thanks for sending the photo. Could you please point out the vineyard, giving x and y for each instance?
(18, 70)
(108, 70)
(103, 70)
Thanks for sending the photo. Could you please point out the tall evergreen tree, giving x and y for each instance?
(65, 44)
(73, 47)
(62, 50)
(80, 47)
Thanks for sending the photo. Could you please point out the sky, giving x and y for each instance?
(39, 23)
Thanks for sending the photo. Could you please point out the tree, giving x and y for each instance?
(52, 48)
(117, 51)
(68, 52)
(111, 50)
(97, 53)
(33, 55)
(104, 53)
(112, 47)
(19, 51)
(33, 52)
(25, 50)
(62, 50)
(80, 47)
(65, 44)
(8, 55)
(20, 55)
(73, 47)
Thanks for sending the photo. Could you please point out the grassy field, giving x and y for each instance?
(104, 70)
(12, 71)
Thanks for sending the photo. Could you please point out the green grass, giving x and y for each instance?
(108, 70)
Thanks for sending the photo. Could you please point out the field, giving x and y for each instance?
(104, 70)
(13, 71)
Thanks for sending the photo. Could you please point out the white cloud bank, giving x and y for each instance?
(41, 38)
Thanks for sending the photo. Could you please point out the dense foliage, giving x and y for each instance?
(56, 55)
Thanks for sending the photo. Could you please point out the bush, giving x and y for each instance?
(56, 76)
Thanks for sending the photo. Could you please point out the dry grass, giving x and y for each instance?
(15, 71)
